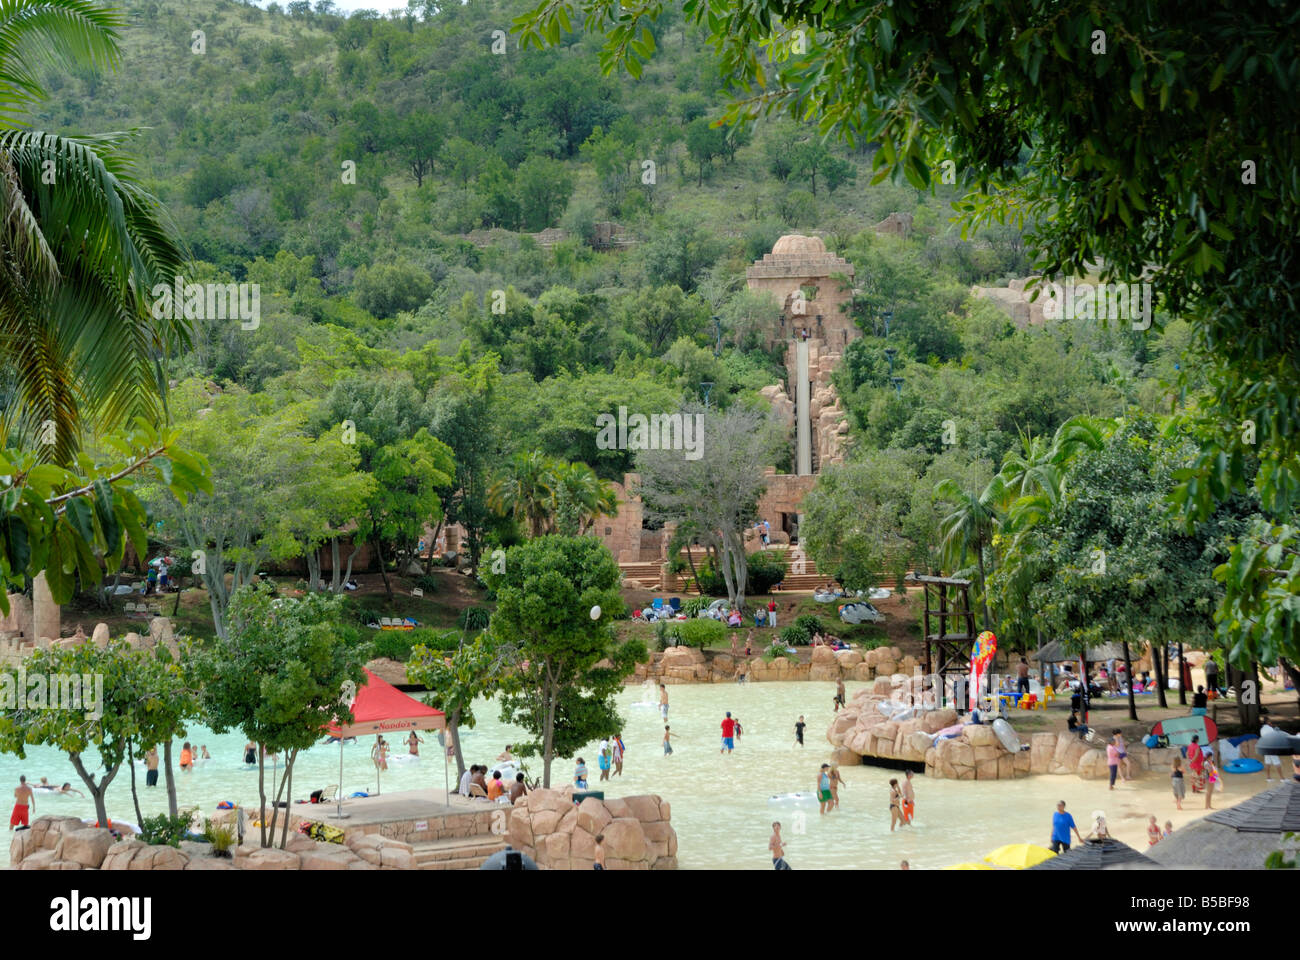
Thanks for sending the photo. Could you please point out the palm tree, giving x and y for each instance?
(970, 526)
(579, 498)
(81, 248)
(526, 492)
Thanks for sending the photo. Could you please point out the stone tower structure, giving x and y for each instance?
(814, 289)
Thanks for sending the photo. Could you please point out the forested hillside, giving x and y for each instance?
(382, 180)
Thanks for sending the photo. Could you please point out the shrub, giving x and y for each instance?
(427, 582)
(810, 624)
(398, 644)
(473, 618)
(220, 835)
(766, 570)
(694, 605)
(665, 635)
(795, 637)
(700, 633)
(166, 829)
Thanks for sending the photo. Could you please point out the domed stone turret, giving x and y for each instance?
(797, 245)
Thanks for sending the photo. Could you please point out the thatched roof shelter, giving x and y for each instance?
(1054, 651)
(1238, 837)
(1099, 855)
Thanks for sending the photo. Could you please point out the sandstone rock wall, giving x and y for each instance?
(65, 843)
(560, 835)
(689, 665)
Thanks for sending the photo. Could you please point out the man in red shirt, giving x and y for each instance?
(728, 734)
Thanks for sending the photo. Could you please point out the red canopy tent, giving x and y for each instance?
(379, 707)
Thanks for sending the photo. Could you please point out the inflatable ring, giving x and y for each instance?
(1243, 765)
(225, 805)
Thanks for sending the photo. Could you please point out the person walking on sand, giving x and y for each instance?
(777, 848)
(1118, 737)
(1177, 781)
(798, 730)
(1196, 761)
(1211, 774)
(1062, 824)
(668, 744)
(839, 695)
(909, 799)
(151, 767)
(728, 734)
(1112, 760)
(895, 805)
(616, 749)
(824, 788)
(24, 806)
(663, 700)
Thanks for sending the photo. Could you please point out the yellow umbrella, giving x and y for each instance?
(1019, 856)
(969, 866)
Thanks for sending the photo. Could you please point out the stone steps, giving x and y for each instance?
(457, 854)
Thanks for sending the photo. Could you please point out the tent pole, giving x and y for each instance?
(446, 779)
(338, 794)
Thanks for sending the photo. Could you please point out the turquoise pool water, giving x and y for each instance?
(721, 806)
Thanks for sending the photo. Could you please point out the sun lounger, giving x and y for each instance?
(476, 791)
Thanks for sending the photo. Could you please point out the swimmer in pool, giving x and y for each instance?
(663, 700)
(68, 789)
(413, 744)
(250, 753)
(203, 753)
(909, 799)
(895, 804)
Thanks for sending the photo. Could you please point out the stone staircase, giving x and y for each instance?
(646, 572)
(460, 853)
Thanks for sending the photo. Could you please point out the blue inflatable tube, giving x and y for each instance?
(1243, 765)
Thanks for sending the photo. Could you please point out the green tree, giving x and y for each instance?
(853, 518)
(704, 142)
(559, 689)
(968, 529)
(52, 718)
(455, 682)
(544, 186)
(279, 677)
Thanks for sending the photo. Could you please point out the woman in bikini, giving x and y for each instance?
(895, 805)
(836, 780)
(1211, 774)
(413, 744)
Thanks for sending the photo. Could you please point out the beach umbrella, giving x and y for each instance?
(969, 866)
(1019, 856)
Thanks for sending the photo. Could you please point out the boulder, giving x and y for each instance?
(863, 671)
(921, 743)
(547, 799)
(592, 816)
(824, 655)
(662, 833)
(644, 808)
(617, 807)
(582, 845)
(625, 840)
(986, 752)
(87, 846)
(1022, 763)
(979, 735)
(986, 770)
(20, 846)
(272, 859)
(120, 854)
(1041, 748)
(960, 753)
(884, 686)
(100, 636)
(1092, 765)
(935, 720)
(827, 672)
(554, 851)
(680, 656)
(521, 829)
(1068, 762)
(159, 857)
(887, 668)
(848, 659)
(40, 860)
(845, 757)
(1006, 766)
(338, 858)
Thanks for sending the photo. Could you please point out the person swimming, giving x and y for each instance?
(250, 753)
